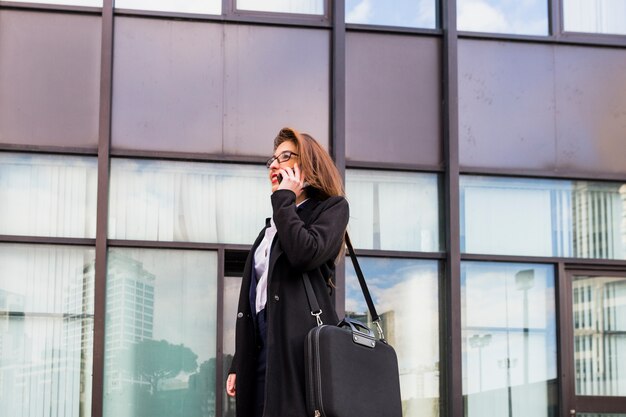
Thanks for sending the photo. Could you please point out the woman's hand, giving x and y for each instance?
(231, 385)
(292, 180)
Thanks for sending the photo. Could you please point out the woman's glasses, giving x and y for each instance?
(281, 157)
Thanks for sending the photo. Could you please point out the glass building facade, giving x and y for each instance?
(483, 148)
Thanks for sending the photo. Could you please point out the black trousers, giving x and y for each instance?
(259, 397)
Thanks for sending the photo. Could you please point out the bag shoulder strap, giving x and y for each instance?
(314, 306)
(359, 274)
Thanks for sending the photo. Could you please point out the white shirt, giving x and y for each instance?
(262, 261)
(261, 265)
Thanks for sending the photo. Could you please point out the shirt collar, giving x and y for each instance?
(302, 202)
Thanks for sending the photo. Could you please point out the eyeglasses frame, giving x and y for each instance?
(279, 156)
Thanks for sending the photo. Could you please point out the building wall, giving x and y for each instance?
(484, 157)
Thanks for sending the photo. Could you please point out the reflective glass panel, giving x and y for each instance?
(231, 299)
(392, 75)
(393, 210)
(595, 16)
(178, 6)
(274, 77)
(315, 7)
(529, 17)
(187, 201)
(509, 340)
(535, 217)
(405, 292)
(160, 333)
(599, 311)
(46, 330)
(50, 78)
(166, 96)
(48, 195)
(92, 3)
(405, 13)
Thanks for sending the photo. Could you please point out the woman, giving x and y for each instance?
(305, 233)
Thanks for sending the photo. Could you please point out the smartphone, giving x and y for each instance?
(280, 179)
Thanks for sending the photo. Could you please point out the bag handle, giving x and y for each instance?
(314, 306)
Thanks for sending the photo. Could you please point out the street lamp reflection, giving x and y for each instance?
(480, 341)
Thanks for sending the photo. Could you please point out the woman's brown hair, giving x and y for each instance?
(318, 167)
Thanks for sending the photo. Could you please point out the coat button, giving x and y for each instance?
(239, 315)
(276, 298)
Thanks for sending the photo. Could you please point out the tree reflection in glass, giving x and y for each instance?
(160, 333)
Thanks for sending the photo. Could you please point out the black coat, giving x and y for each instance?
(308, 239)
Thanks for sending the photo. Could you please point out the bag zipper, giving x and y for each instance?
(314, 372)
(311, 373)
(319, 372)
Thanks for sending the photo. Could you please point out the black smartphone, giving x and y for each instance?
(280, 179)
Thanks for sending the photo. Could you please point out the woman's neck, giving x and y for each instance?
(301, 198)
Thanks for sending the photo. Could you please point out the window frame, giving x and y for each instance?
(570, 400)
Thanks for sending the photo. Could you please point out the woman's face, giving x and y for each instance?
(275, 166)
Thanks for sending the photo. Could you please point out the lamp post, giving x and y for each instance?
(525, 280)
(480, 341)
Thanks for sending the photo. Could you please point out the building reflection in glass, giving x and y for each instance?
(599, 313)
(405, 292)
(160, 333)
(540, 217)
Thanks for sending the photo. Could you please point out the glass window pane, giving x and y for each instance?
(178, 6)
(160, 352)
(509, 342)
(394, 210)
(46, 330)
(91, 3)
(315, 7)
(187, 201)
(534, 217)
(50, 78)
(231, 299)
(599, 312)
(48, 195)
(165, 89)
(587, 142)
(595, 16)
(390, 77)
(276, 76)
(500, 81)
(405, 13)
(403, 290)
(528, 17)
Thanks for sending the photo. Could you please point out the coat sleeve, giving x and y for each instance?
(233, 365)
(308, 247)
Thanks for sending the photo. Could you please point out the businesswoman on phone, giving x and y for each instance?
(305, 233)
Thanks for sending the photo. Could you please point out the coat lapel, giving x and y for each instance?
(248, 272)
(304, 211)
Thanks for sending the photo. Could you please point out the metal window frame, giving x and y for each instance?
(556, 33)
(569, 400)
(451, 385)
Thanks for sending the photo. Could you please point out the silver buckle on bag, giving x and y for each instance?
(380, 330)
(317, 315)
